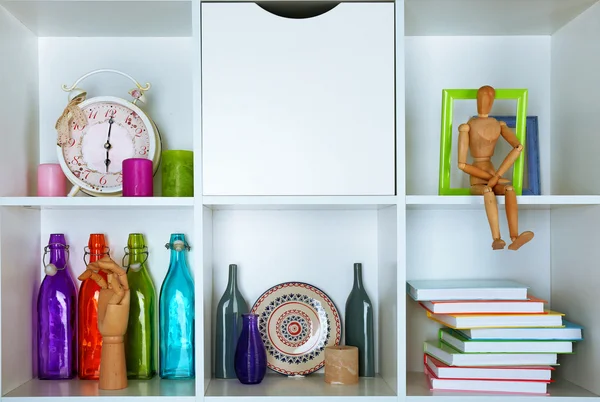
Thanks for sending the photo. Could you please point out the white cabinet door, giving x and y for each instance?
(298, 106)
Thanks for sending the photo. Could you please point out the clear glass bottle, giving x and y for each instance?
(56, 308)
(140, 339)
(229, 326)
(177, 315)
(89, 337)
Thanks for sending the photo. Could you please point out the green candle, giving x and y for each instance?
(177, 173)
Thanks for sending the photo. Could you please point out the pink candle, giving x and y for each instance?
(137, 178)
(51, 181)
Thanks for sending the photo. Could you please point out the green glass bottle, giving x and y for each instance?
(140, 340)
(359, 325)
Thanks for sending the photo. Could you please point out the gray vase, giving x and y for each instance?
(229, 326)
(359, 325)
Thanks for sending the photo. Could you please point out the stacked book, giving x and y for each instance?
(496, 337)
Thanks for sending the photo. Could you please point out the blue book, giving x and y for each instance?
(568, 332)
(466, 289)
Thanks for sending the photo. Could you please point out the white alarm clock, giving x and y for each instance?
(91, 154)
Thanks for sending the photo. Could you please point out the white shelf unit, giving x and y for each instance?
(541, 46)
(46, 44)
(546, 46)
(315, 245)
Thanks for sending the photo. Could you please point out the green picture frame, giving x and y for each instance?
(448, 98)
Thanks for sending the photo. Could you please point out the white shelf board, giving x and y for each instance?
(303, 388)
(96, 202)
(417, 389)
(55, 391)
(104, 18)
(294, 1)
(476, 202)
(490, 17)
(299, 202)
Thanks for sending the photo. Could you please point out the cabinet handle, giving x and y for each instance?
(297, 9)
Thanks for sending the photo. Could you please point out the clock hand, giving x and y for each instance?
(107, 145)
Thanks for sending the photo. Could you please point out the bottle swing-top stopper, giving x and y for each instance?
(136, 266)
(52, 269)
(178, 245)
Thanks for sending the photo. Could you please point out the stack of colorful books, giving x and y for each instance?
(496, 337)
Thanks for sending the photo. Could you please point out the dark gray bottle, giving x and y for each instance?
(359, 325)
(229, 326)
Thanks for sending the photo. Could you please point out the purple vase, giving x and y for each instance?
(250, 354)
(56, 306)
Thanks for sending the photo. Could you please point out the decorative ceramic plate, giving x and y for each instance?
(297, 322)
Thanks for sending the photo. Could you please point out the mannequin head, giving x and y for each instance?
(485, 100)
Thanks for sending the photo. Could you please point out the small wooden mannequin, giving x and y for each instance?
(480, 135)
(113, 315)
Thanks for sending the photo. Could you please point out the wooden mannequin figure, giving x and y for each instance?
(113, 315)
(480, 135)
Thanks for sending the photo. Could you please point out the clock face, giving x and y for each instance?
(95, 152)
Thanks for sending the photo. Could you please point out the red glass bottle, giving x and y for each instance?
(89, 338)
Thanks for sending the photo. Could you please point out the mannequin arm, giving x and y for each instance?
(512, 156)
(463, 149)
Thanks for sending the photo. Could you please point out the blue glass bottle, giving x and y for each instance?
(177, 315)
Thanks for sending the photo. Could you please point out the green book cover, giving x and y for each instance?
(446, 334)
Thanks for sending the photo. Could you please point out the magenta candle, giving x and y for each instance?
(137, 178)
(51, 181)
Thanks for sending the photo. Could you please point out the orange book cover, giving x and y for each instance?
(530, 299)
(451, 320)
(483, 306)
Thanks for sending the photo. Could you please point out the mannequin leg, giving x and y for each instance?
(491, 210)
(512, 215)
(512, 212)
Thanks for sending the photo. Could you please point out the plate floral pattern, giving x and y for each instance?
(297, 321)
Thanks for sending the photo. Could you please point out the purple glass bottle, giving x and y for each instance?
(250, 354)
(56, 307)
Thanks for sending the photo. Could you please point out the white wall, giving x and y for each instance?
(18, 107)
(575, 284)
(437, 63)
(576, 105)
(20, 259)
